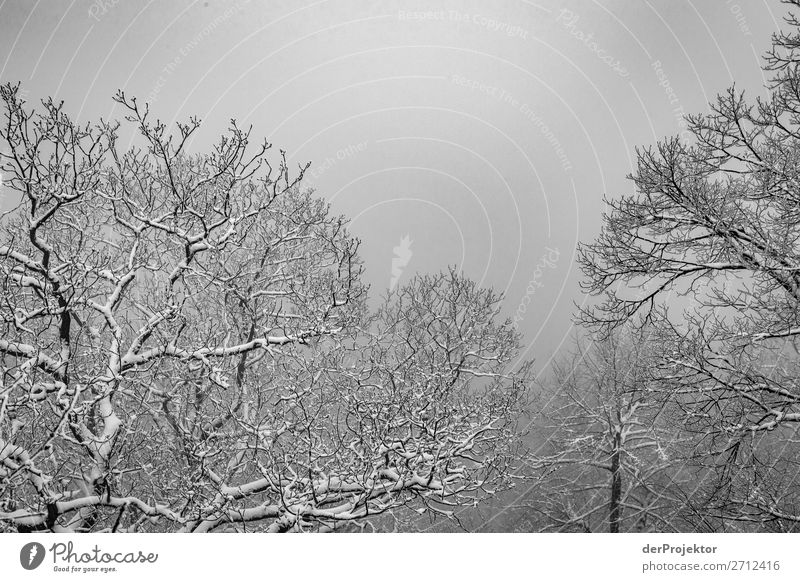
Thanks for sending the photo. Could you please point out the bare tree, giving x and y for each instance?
(186, 346)
(610, 455)
(714, 228)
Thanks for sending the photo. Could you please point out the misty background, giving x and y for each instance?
(451, 133)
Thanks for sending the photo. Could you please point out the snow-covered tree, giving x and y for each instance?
(609, 455)
(708, 249)
(186, 346)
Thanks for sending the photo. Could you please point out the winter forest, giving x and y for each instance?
(194, 338)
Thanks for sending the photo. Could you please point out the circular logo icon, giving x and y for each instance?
(31, 555)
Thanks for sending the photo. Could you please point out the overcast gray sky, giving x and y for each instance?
(485, 133)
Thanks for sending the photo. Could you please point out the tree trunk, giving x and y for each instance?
(615, 509)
